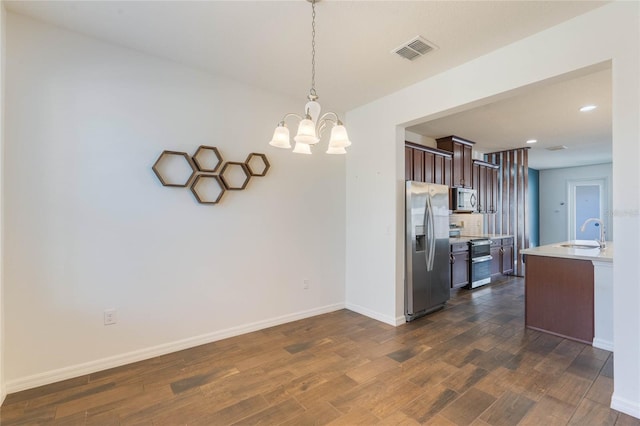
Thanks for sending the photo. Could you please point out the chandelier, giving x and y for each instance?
(312, 125)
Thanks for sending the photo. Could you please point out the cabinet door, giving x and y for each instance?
(429, 159)
(457, 171)
(408, 163)
(496, 261)
(507, 256)
(493, 205)
(418, 165)
(446, 172)
(438, 169)
(483, 193)
(467, 179)
(459, 269)
(476, 176)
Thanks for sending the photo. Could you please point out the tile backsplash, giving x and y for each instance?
(470, 224)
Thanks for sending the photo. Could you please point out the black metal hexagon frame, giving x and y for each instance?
(198, 196)
(244, 169)
(253, 157)
(158, 172)
(201, 167)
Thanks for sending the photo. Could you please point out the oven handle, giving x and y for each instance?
(481, 259)
(481, 243)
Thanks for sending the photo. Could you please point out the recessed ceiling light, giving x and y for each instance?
(588, 108)
(532, 141)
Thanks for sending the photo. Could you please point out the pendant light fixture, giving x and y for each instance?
(312, 125)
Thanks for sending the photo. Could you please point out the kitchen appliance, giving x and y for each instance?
(479, 262)
(427, 279)
(464, 200)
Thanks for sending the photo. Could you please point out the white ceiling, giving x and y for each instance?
(266, 44)
(549, 114)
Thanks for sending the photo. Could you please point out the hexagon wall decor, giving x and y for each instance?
(208, 189)
(207, 158)
(208, 185)
(162, 167)
(232, 175)
(257, 164)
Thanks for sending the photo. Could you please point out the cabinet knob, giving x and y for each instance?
(501, 250)
(452, 258)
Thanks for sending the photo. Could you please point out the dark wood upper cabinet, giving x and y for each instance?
(408, 163)
(485, 178)
(429, 166)
(462, 167)
(447, 171)
(493, 205)
(425, 164)
(418, 165)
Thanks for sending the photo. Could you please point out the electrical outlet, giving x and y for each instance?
(305, 284)
(110, 316)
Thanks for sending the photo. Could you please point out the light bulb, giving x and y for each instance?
(307, 132)
(302, 148)
(339, 137)
(334, 150)
(281, 138)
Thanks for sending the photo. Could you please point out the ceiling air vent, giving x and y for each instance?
(556, 148)
(414, 48)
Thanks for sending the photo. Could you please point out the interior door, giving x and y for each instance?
(586, 200)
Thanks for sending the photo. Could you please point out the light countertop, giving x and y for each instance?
(557, 250)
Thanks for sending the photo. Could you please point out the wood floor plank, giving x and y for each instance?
(569, 388)
(369, 370)
(508, 410)
(96, 399)
(468, 407)
(471, 363)
(590, 412)
(626, 420)
(601, 390)
(548, 411)
(429, 404)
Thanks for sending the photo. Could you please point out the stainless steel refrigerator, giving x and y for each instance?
(427, 278)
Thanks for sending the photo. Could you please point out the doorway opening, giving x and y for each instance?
(587, 199)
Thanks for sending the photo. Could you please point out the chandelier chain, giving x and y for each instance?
(312, 92)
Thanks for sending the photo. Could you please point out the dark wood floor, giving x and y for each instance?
(471, 363)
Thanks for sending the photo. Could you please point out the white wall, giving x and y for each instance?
(3, 15)
(89, 227)
(375, 257)
(554, 202)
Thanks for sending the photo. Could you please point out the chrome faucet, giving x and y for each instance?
(602, 243)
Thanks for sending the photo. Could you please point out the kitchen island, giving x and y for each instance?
(569, 291)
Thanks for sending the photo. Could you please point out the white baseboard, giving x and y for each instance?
(373, 314)
(626, 406)
(603, 344)
(57, 375)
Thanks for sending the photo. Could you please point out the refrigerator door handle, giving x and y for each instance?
(429, 233)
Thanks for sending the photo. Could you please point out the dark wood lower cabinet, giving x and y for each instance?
(507, 256)
(496, 260)
(502, 256)
(459, 259)
(559, 297)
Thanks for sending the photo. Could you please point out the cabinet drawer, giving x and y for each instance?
(458, 247)
(507, 241)
(496, 242)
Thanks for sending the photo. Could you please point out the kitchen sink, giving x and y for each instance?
(580, 246)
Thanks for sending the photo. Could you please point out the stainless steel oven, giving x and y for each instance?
(479, 262)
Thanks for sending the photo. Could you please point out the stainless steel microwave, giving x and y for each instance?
(464, 200)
